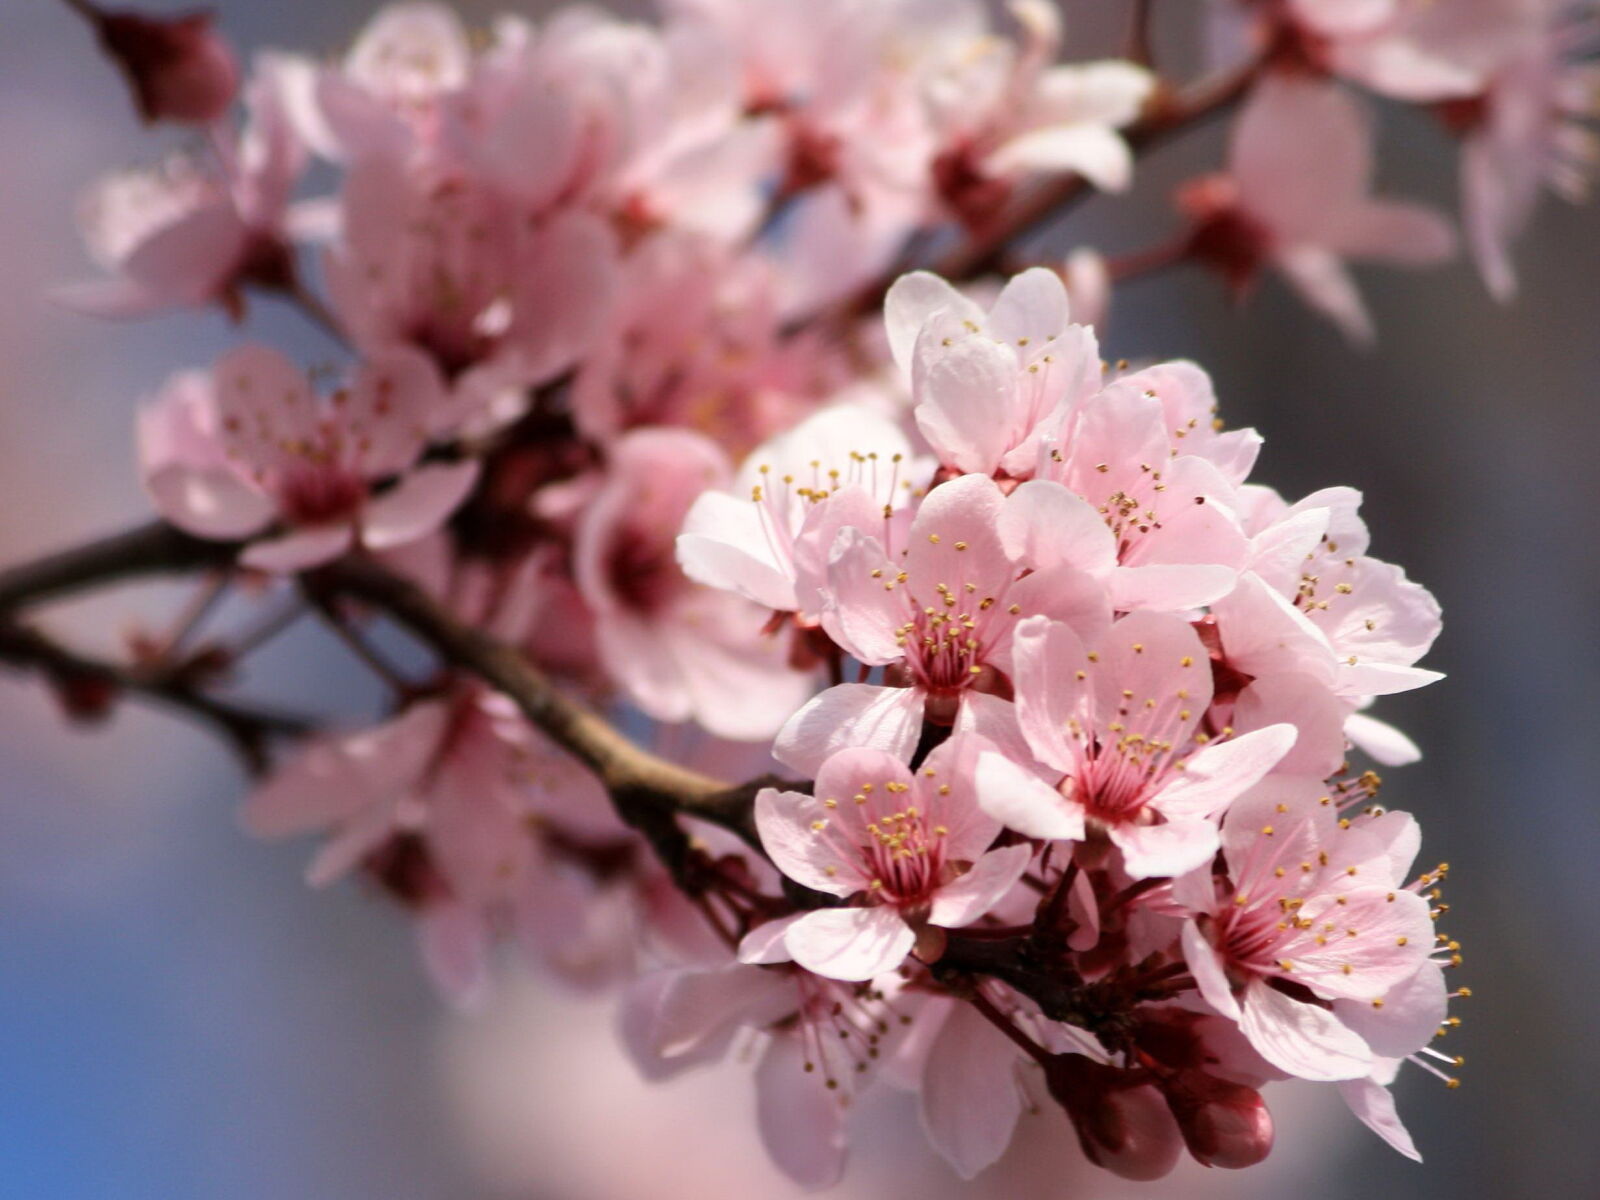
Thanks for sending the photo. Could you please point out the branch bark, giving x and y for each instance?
(247, 729)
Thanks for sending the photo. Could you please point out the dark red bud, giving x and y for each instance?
(1122, 1123)
(1223, 1124)
(179, 67)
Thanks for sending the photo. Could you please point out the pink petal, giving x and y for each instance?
(802, 1125)
(725, 544)
(1170, 587)
(1405, 234)
(852, 944)
(1222, 771)
(1311, 707)
(420, 503)
(1374, 1107)
(1031, 308)
(455, 948)
(1021, 802)
(1302, 153)
(1050, 671)
(866, 606)
(980, 889)
(1155, 657)
(766, 944)
(851, 715)
(787, 823)
(300, 549)
(1306, 1041)
(970, 1098)
(1386, 744)
(966, 392)
(1206, 967)
(1166, 850)
(1093, 151)
(1324, 283)
(209, 504)
(702, 1007)
(912, 300)
(1045, 525)
(1413, 1012)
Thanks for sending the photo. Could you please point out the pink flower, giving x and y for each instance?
(389, 94)
(678, 650)
(1147, 454)
(1318, 607)
(255, 448)
(179, 68)
(768, 539)
(817, 1045)
(445, 264)
(1522, 133)
(1121, 724)
(1412, 50)
(1295, 197)
(939, 613)
(1003, 112)
(911, 846)
(192, 233)
(1315, 933)
(695, 339)
(439, 804)
(984, 383)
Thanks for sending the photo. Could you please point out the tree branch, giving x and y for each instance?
(92, 684)
(153, 549)
(639, 782)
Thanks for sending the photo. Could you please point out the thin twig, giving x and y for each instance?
(153, 549)
(248, 729)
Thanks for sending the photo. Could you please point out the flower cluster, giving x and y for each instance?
(642, 398)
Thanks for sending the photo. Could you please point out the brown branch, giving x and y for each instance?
(640, 783)
(153, 549)
(88, 686)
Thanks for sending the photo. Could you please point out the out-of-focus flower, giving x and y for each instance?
(1295, 197)
(678, 650)
(193, 232)
(254, 449)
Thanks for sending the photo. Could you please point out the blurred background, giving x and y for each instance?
(180, 1017)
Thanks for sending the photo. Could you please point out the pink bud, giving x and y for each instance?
(179, 68)
(1223, 1124)
(1122, 1123)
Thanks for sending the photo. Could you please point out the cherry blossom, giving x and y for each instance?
(1122, 724)
(1295, 197)
(254, 450)
(768, 539)
(939, 613)
(193, 231)
(984, 383)
(1317, 904)
(912, 845)
(678, 650)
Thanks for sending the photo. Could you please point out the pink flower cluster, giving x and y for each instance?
(1067, 709)
(1140, 677)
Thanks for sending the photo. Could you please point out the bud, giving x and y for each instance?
(1121, 1121)
(179, 68)
(1223, 1124)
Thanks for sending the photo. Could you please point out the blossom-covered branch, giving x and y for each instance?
(647, 428)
